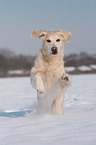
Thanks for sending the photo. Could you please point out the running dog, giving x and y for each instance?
(48, 75)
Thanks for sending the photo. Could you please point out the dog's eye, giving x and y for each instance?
(48, 40)
(57, 40)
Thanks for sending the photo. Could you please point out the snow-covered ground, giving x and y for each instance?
(84, 68)
(70, 68)
(20, 124)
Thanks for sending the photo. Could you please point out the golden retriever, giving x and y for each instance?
(48, 76)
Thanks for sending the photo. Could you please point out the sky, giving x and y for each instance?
(18, 19)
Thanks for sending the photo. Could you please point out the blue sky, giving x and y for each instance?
(18, 18)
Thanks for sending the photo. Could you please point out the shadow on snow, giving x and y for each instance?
(18, 113)
(14, 114)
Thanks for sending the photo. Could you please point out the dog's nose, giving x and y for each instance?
(54, 50)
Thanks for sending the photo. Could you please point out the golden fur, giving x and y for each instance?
(48, 75)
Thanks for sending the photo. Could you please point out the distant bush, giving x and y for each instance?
(17, 62)
(79, 59)
(11, 61)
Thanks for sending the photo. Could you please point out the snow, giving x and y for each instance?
(84, 68)
(70, 69)
(18, 72)
(21, 124)
(12, 72)
(93, 66)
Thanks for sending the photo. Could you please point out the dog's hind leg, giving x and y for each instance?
(58, 103)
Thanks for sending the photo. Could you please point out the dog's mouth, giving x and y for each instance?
(54, 50)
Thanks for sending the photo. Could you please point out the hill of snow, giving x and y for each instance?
(21, 124)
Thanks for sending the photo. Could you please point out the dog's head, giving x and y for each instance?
(53, 41)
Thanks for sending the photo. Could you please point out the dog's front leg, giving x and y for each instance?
(37, 82)
(33, 79)
(65, 80)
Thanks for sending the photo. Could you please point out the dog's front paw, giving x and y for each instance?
(65, 77)
(64, 80)
(40, 92)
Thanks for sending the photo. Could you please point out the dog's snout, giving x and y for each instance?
(54, 50)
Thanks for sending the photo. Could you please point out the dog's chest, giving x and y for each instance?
(52, 74)
(48, 79)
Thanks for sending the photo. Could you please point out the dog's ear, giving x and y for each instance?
(65, 35)
(39, 33)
